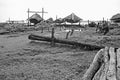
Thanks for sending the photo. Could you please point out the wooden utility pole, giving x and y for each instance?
(43, 13)
(36, 12)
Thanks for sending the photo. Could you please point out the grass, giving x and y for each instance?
(37, 63)
(37, 60)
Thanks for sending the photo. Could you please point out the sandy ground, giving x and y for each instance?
(23, 59)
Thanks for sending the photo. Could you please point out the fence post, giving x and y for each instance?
(67, 35)
(72, 32)
(42, 30)
(52, 37)
(108, 71)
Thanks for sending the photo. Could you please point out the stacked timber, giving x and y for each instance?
(105, 66)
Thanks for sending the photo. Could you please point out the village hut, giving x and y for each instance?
(35, 18)
(59, 20)
(72, 18)
(116, 18)
(50, 20)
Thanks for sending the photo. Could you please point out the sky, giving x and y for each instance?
(85, 9)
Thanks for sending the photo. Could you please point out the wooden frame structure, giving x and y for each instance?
(36, 12)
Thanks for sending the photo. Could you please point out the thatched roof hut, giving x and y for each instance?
(59, 20)
(35, 18)
(116, 18)
(50, 20)
(72, 18)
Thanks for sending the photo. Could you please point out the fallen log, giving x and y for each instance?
(49, 39)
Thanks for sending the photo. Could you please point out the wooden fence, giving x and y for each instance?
(105, 66)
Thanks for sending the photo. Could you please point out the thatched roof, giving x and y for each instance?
(116, 18)
(72, 18)
(35, 18)
(59, 20)
(50, 20)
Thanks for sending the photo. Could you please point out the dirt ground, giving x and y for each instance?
(23, 59)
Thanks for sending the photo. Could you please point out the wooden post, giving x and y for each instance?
(28, 16)
(111, 74)
(79, 23)
(118, 64)
(103, 19)
(52, 36)
(37, 12)
(88, 23)
(67, 35)
(42, 30)
(72, 32)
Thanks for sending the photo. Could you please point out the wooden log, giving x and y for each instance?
(94, 67)
(48, 39)
(111, 74)
(118, 64)
(104, 66)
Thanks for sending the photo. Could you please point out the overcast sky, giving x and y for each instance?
(85, 9)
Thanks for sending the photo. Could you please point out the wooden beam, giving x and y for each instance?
(37, 12)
